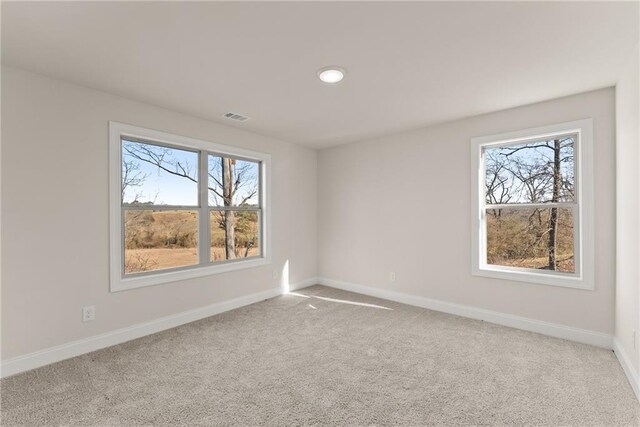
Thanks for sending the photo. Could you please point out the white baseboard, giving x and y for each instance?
(552, 329)
(304, 284)
(76, 348)
(627, 366)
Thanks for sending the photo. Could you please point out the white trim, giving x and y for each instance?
(51, 355)
(178, 275)
(584, 249)
(585, 336)
(119, 283)
(627, 367)
(304, 284)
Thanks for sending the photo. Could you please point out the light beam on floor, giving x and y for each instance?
(341, 301)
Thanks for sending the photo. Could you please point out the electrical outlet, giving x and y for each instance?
(275, 274)
(392, 276)
(88, 313)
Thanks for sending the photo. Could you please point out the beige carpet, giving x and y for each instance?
(328, 357)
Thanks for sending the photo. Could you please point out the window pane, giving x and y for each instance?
(531, 238)
(234, 234)
(535, 172)
(154, 240)
(233, 182)
(158, 175)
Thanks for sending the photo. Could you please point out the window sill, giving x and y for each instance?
(534, 277)
(122, 284)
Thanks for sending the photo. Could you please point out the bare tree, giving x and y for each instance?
(229, 185)
(138, 263)
(498, 186)
(228, 166)
(553, 219)
(131, 177)
(239, 185)
(161, 158)
(540, 179)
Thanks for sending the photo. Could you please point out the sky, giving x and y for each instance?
(164, 188)
(530, 156)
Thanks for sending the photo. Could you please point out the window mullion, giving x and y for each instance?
(145, 207)
(151, 267)
(204, 245)
(236, 208)
(577, 244)
(547, 205)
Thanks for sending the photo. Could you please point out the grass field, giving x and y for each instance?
(519, 238)
(157, 240)
(160, 258)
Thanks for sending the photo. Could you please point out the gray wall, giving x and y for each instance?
(55, 242)
(403, 203)
(55, 215)
(628, 210)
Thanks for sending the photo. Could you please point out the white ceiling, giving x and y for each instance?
(409, 64)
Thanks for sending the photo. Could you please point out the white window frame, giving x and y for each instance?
(583, 277)
(120, 282)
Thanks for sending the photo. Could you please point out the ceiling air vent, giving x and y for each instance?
(236, 117)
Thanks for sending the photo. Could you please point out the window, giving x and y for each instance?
(183, 208)
(532, 205)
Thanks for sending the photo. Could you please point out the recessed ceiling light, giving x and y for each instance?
(331, 74)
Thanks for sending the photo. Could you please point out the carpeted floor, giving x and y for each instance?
(324, 356)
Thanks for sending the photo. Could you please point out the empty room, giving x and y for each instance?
(320, 213)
